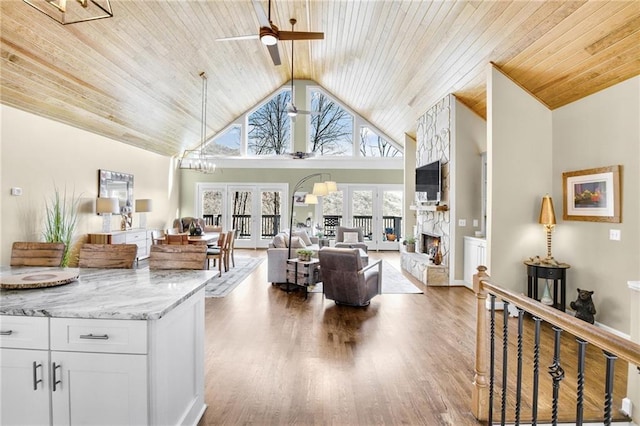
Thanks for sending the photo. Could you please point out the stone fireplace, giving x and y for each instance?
(429, 244)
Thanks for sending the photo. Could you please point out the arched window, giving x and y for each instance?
(374, 145)
(331, 131)
(270, 127)
(226, 144)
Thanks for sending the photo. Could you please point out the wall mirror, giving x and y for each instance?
(117, 185)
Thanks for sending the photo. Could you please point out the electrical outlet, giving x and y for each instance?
(462, 222)
(614, 234)
(16, 191)
(475, 223)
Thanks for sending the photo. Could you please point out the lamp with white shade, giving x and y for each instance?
(143, 206)
(106, 207)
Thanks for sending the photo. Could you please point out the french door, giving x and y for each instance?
(376, 209)
(254, 211)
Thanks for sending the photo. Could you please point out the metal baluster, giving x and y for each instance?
(492, 362)
(608, 387)
(557, 374)
(536, 370)
(519, 373)
(582, 350)
(505, 352)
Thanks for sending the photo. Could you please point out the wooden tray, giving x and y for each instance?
(40, 279)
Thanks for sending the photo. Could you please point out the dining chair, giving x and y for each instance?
(158, 237)
(120, 256)
(177, 239)
(216, 253)
(231, 243)
(36, 254)
(190, 256)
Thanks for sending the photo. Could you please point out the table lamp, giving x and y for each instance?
(548, 219)
(143, 206)
(105, 207)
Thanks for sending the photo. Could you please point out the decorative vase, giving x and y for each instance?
(546, 295)
(437, 258)
(411, 248)
(192, 228)
(197, 230)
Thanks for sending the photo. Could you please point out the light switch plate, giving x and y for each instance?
(462, 222)
(475, 223)
(614, 234)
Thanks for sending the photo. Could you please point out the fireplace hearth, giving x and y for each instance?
(429, 244)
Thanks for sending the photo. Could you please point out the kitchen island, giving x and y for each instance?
(117, 346)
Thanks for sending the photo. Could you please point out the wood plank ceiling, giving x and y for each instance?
(134, 77)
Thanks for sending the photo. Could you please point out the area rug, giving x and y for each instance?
(393, 282)
(222, 286)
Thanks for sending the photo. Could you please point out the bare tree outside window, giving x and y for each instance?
(373, 145)
(270, 127)
(331, 128)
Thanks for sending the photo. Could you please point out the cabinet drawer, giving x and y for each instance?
(137, 237)
(111, 336)
(118, 239)
(24, 332)
(549, 273)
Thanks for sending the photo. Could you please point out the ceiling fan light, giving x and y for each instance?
(268, 39)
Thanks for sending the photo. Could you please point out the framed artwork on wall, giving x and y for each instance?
(298, 199)
(592, 195)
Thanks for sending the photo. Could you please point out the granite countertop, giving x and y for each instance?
(137, 294)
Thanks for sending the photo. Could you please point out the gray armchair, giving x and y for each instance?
(340, 238)
(345, 280)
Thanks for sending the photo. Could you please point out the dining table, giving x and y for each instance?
(207, 238)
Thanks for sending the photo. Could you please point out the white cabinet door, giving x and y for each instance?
(474, 255)
(99, 389)
(24, 387)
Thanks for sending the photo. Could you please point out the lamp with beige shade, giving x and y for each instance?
(106, 207)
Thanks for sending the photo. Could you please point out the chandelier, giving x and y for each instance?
(73, 11)
(196, 159)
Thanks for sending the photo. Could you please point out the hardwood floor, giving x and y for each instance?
(275, 358)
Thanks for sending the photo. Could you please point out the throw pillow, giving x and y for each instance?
(297, 242)
(303, 236)
(350, 237)
(279, 241)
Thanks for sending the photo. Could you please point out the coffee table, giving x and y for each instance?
(302, 273)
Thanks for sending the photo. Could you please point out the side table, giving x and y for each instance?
(557, 273)
(303, 273)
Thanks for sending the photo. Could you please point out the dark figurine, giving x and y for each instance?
(584, 307)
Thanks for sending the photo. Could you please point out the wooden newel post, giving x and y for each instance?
(480, 392)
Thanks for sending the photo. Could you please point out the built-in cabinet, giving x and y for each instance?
(139, 237)
(475, 254)
(64, 371)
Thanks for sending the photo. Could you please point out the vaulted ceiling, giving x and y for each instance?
(134, 77)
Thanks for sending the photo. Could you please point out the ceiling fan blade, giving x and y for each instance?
(300, 35)
(261, 14)
(244, 37)
(275, 54)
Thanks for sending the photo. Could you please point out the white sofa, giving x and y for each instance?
(277, 255)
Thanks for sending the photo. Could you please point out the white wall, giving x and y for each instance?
(38, 153)
(519, 150)
(469, 141)
(601, 130)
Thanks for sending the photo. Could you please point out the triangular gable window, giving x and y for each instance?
(270, 127)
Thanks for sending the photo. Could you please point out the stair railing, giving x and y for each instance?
(613, 346)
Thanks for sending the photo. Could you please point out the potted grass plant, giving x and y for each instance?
(410, 242)
(61, 219)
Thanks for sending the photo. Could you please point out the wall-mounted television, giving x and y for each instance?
(428, 181)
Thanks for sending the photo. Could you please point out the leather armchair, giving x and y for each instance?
(345, 280)
(341, 243)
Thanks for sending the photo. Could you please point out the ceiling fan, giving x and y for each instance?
(269, 34)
